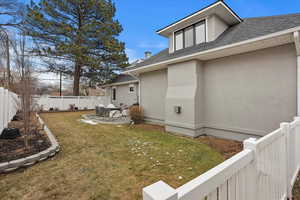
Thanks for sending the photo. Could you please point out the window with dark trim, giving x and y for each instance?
(190, 36)
(114, 94)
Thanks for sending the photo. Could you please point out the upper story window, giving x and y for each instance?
(190, 36)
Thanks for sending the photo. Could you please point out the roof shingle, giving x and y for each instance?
(249, 28)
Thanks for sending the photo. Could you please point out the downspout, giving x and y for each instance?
(297, 45)
(139, 81)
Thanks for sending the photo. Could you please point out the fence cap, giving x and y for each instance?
(159, 191)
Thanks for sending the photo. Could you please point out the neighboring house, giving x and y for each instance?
(122, 91)
(223, 75)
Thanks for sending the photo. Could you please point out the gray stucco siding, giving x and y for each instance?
(251, 93)
(123, 94)
(153, 93)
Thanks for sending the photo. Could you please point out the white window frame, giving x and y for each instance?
(175, 34)
(132, 86)
(183, 35)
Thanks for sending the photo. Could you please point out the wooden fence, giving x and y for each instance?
(63, 102)
(265, 170)
(9, 104)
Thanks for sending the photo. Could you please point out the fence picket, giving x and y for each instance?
(223, 191)
(8, 107)
(265, 170)
(63, 103)
(213, 195)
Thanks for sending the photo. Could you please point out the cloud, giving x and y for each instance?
(147, 45)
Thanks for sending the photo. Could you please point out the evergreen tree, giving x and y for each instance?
(10, 13)
(82, 33)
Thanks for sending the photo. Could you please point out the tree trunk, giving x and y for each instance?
(76, 79)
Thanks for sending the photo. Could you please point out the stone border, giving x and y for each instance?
(86, 117)
(65, 111)
(33, 159)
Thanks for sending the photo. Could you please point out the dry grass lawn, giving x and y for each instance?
(106, 162)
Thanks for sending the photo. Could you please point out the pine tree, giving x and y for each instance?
(11, 12)
(82, 33)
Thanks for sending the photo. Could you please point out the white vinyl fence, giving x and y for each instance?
(9, 104)
(63, 102)
(265, 170)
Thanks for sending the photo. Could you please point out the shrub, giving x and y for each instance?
(72, 107)
(136, 113)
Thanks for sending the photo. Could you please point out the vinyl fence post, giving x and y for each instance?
(286, 131)
(1, 109)
(62, 103)
(9, 106)
(78, 102)
(5, 109)
(253, 173)
(159, 191)
(297, 119)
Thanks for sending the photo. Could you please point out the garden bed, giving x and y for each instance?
(13, 149)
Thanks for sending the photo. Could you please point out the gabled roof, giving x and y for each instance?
(219, 8)
(249, 28)
(122, 79)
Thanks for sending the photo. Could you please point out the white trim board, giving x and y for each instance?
(213, 51)
(122, 83)
(297, 46)
(198, 13)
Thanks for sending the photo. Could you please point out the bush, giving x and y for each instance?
(136, 113)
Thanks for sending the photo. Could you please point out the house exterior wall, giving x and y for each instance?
(123, 95)
(250, 93)
(186, 91)
(153, 93)
(171, 43)
(215, 27)
(234, 97)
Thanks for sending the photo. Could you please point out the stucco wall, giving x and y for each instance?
(153, 93)
(124, 96)
(215, 27)
(242, 96)
(251, 93)
(184, 90)
(171, 43)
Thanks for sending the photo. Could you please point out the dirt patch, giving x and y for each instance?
(296, 189)
(150, 127)
(227, 148)
(12, 149)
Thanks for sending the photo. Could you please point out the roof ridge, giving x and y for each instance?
(271, 16)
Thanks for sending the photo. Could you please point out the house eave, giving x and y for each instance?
(121, 83)
(267, 41)
(219, 8)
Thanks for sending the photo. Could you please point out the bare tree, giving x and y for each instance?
(24, 89)
(5, 50)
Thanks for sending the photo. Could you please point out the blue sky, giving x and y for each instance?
(141, 18)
